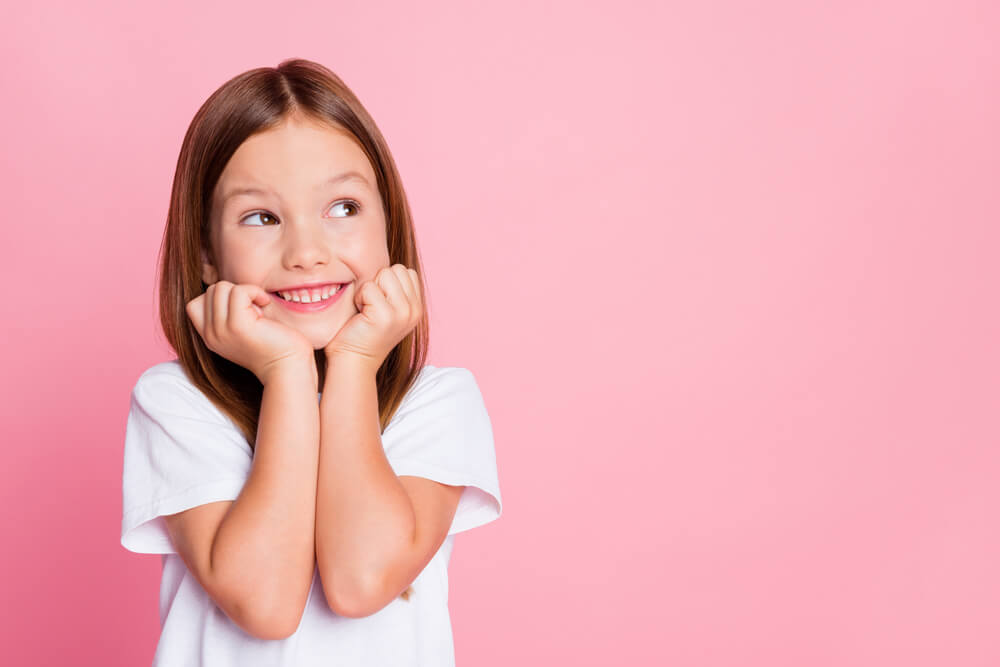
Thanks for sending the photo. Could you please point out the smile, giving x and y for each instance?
(309, 301)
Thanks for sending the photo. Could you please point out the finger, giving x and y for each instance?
(394, 293)
(410, 282)
(196, 312)
(207, 309)
(259, 295)
(243, 300)
(220, 305)
(417, 286)
(237, 306)
(370, 296)
(259, 298)
(406, 282)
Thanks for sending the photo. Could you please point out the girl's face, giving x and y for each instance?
(298, 205)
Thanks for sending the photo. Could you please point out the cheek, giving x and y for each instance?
(365, 253)
(375, 244)
(376, 252)
(246, 263)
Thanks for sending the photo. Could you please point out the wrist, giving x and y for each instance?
(351, 360)
(294, 367)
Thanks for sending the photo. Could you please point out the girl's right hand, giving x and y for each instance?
(229, 319)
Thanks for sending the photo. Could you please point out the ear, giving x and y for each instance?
(209, 274)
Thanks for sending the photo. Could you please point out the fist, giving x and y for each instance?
(231, 321)
(389, 307)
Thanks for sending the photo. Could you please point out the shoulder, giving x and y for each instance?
(164, 369)
(164, 377)
(441, 381)
(441, 393)
(165, 388)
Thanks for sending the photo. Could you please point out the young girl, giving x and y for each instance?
(301, 469)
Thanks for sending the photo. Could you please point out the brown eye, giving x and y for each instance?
(266, 219)
(349, 204)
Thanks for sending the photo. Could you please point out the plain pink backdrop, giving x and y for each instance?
(725, 273)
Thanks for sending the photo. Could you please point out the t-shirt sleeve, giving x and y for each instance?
(180, 452)
(441, 431)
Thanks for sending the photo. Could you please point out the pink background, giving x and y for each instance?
(725, 273)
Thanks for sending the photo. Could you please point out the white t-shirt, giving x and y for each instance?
(181, 451)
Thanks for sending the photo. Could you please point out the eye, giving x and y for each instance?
(349, 203)
(263, 215)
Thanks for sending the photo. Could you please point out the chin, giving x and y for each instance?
(319, 340)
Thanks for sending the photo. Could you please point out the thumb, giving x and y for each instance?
(359, 295)
(258, 295)
(259, 298)
(246, 296)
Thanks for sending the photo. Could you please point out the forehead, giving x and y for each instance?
(295, 154)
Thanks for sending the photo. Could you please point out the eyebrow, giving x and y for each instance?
(333, 180)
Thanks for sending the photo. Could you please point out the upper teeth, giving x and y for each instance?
(307, 296)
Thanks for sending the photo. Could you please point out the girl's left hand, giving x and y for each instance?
(389, 307)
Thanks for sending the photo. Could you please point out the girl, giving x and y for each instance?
(301, 469)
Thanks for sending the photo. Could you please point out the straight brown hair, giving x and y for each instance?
(252, 102)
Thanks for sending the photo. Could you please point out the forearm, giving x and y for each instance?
(363, 514)
(265, 546)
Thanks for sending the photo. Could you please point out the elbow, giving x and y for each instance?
(272, 626)
(263, 607)
(284, 625)
(258, 619)
(261, 630)
(353, 608)
(351, 599)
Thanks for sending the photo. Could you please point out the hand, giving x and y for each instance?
(229, 319)
(389, 307)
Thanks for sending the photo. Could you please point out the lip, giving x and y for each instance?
(311, 307)
(305, 286)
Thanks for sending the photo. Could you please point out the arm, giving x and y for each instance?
(257, 559)
(375, 532)
(364, 518)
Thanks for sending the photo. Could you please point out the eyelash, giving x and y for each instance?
(355, 204)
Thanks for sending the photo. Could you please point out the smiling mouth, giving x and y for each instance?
(314, 295)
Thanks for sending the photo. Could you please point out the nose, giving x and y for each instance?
(304, 245)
